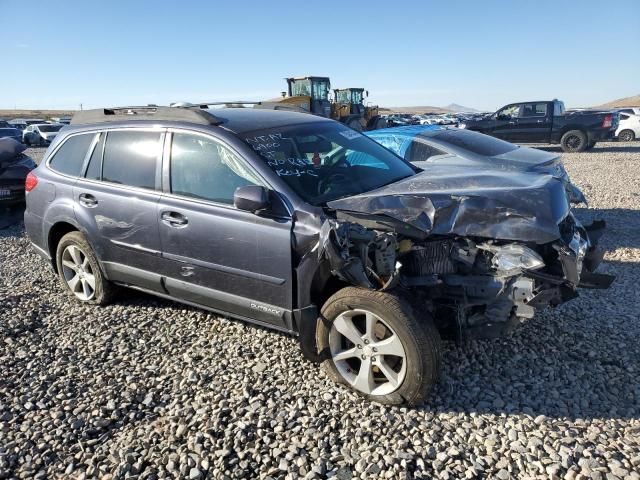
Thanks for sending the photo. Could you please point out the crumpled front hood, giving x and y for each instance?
(445, 200)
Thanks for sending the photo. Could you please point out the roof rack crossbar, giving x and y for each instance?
(146, 112)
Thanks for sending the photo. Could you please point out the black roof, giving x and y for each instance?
(236, 120)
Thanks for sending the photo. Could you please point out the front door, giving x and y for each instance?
(117, 201)
(213, 253)
(504, 122)
(534, 123)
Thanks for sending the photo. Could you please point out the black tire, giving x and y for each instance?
(355, 124)
(574, 141)
(626, 136)
(380, 123)
(104, 290)
(419, 338)
(27, 142)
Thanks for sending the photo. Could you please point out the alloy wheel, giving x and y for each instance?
(78, 273)
(367, 352)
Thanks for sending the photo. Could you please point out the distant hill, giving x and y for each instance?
(9, 114)
(633, 101)
(454, 107)
(414, 110)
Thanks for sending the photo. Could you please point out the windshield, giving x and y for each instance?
(342, 96)
(49, 128)
(473, 142)
(324, 161)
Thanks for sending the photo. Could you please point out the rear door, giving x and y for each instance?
(116, 202)
(534, 123)
(213, 253)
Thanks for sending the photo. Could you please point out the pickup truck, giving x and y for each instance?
(547, 122)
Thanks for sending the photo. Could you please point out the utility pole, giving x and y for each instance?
(80, 106)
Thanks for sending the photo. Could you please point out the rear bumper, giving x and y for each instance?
(601, 135)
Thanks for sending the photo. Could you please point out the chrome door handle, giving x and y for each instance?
(87, 200)
(174, 219)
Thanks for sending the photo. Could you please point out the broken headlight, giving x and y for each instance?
(507, 258)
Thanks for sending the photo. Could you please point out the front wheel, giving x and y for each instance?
(378, 347)
(626, 136)
(80, 272)
(574, 141)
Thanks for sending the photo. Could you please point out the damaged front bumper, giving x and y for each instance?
(474, 288)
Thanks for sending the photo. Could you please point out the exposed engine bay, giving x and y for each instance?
(475, 287)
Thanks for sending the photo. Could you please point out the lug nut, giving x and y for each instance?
(366, 342)
(360, 346)
(364, 357)
(373, 359)
(375, 349)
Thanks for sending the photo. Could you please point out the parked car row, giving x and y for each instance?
(368, 254)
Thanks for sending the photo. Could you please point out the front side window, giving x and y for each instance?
(324, 161)
(301, 88)
(69, 158)
(131, 158)
(50, 128)
(508, 112)
(206, 169)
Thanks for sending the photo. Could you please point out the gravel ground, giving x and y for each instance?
(147, 388)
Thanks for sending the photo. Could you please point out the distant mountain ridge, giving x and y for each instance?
(451, 108)
(633, 101)
(454, 107)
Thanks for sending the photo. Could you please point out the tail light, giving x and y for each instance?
(30, 182)
(608, 121)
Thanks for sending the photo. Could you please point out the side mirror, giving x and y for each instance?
(251, 198)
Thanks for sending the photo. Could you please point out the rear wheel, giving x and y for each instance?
(377, 346)
(80, 272)
(574, 141)
(626, 136)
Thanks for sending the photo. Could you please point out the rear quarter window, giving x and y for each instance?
(131, 158)
(69, 158)
(475, 142)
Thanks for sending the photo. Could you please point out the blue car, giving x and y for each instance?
(14, 133)
(428, 146)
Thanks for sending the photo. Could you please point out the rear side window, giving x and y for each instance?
(130, 158)
(533, 110)
(94, 170)
(70, 156)
(475, 142)
(420, 151)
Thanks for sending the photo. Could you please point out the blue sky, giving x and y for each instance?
(481, 54)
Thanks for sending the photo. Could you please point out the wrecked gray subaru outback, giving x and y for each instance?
(301, 224)
(441, 251)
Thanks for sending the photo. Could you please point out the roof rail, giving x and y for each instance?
(178, 114)
(205, 105)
